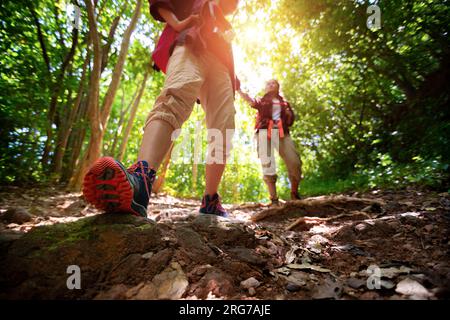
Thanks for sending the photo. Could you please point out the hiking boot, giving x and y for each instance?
(211, 205)
(274, 202)
(112, 188)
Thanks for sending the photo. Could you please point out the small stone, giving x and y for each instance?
(411, 287)
(387, 284)
(250, 283)
(429, 227)
(328, 289)
(360, 227)
(251, 291)
(147, 255)
(355, 283)
(292, 287)
(247, 255)
(298, 277)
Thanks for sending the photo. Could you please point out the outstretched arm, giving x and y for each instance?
(246, 97)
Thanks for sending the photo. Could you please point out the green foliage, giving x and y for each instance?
(360, 93)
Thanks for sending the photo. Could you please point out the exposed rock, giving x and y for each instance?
(222, 231)
(412, 288)
(356, 283)
(75, 209)
(194, 245)
(114, 293)
(147, 255)
(250, 283)
(329, 289)
(298, 278)
(143, 291)
(247, 255)
(215, 282)
(171, 283)
(97, 244)
(16, 215)
(292, 287)
(191, 256)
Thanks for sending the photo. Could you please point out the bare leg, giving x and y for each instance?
(155, 143)
(173, 106)
(217, 100)
(293, 162)
(214, 174)
(271, 183)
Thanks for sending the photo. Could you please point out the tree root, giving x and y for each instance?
(304, 220)
(330, 205)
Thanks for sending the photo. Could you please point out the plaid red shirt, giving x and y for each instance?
(265, 109)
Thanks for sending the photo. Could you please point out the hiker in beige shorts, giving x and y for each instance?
(195, 52)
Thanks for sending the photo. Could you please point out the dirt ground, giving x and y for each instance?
(376, 245)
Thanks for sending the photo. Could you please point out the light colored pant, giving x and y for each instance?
(190, 77)
(286, 149)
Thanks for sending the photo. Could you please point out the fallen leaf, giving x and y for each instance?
(394, 272)
(290, 255)
(304, 266)
(283, 270)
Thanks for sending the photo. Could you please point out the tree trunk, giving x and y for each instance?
(56, 92)
(67, 129)
(99, 117)
(75, 144)
(110, 39)
(118, 69)
(126, 133)
(93, 151)
(40, 37)
(123, 112)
